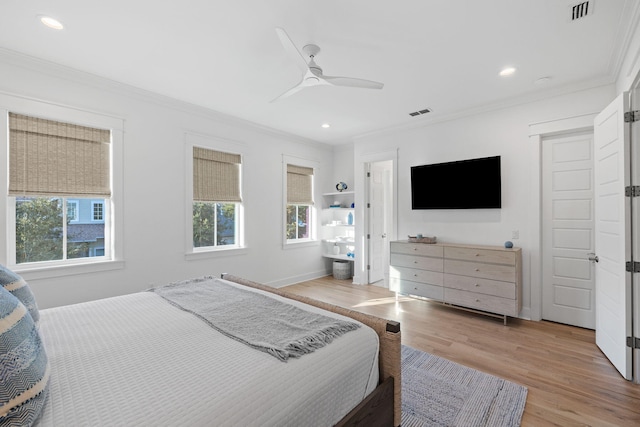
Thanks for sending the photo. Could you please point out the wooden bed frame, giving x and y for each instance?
(383, 406)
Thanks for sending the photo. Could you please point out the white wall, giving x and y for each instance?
(342, 167)
(503, 132)
(154, 186)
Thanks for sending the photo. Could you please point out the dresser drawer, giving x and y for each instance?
(483, 286)
(504, 273)
(416, 275)
(424, 249)
(414, 288)
(415, 261)
(482, 302)
(481, 255)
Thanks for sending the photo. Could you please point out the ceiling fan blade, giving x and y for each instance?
(290, 92)
(291, 50)
(308, 80)
(351, 82)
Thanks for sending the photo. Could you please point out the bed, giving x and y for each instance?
(142, 359)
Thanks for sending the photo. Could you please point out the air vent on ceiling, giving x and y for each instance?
(581, 10)
(417, 113)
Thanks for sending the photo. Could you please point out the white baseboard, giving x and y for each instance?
(297, 279)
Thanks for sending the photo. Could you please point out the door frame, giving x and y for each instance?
(537, 133)
(360, 273)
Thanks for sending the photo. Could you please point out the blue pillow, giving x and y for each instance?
(24, 368)
(21, 290)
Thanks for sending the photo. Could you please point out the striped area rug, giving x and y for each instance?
(438, 392)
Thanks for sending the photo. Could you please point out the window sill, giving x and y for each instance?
(32, 272)
(301, 244)
(214, 253)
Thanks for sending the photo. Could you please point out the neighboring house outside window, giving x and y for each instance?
(299, 203)
(86, 236)
(49, 226)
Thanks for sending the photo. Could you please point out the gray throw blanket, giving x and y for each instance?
(256, 320)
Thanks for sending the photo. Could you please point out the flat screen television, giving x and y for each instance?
(463, 184)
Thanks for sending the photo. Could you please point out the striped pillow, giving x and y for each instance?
(18, 287)
(24, 369)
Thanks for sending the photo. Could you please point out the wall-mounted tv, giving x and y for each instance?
(463, 184)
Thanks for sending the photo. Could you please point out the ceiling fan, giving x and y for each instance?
(311, 73)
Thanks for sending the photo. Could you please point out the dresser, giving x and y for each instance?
(483, 278)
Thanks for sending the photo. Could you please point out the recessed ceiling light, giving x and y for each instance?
(507, 71)
(51, 22)
(326, 125)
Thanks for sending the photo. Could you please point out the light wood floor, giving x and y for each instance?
(570, 382)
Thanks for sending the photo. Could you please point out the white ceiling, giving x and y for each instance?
(226, 56)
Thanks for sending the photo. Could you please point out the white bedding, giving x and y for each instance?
(136, 360)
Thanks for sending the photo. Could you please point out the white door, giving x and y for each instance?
(568, 285)
(613, 237)
(379, 212)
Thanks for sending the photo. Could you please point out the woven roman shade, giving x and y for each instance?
(299, 185)
(59, 159)
(216, 176)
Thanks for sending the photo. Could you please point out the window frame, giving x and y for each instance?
(114, 236)
(312, 239)
(209, 142)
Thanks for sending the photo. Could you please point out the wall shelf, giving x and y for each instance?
(338, 193)
(342, 257)
(345, 242)
(341, 234)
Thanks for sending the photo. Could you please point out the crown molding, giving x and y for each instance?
(624, 37)
(435, 118)
(75, 76)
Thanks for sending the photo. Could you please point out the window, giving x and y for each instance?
(44, 233)
(216, 199)
(298, 218)
(214, 224)
(299, 203)
(48, 161)
(98, 211)
(72, 210)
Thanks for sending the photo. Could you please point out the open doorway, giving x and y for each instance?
(380, 219)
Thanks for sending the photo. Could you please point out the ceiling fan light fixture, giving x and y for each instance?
(51, 22)
(312, 74)
(507, 71)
